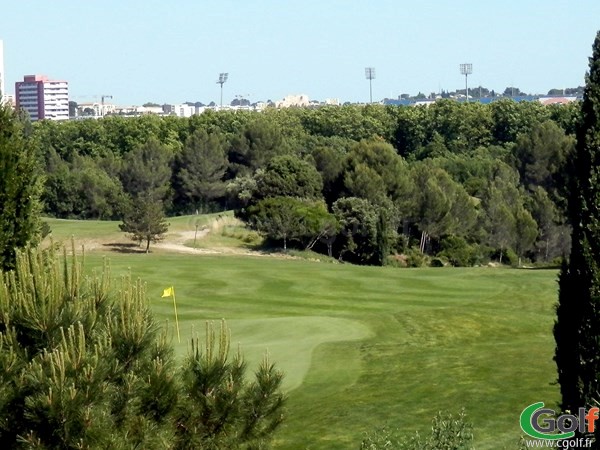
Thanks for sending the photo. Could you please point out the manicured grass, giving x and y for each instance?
(64, 229)
(366, 346)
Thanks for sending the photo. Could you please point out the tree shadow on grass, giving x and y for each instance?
(121, 247)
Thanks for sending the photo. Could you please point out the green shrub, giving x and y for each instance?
(457, 251)
(382, 438)
(448, 432)
(396, 261)
(506, 256)
(414, 258)
(437, 262)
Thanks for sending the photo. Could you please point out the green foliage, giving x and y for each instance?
(291, 219)
(81, 189)
(255, 145)
(383, 238)
(83, 364)
(414, 258)
(351, 121)
(20, 188)
(526, 231)
(200, 168)
(357, 240)
(75, 359)
(577, 326)
(289, 176)
(440, 206)
(474, 171)
(437, 262)
(448, 432)
(542, 156)
(507, 222)
(410, 129)
(510, 118)
(457, 251)
(147, 170)
(506, 256)
(329, 161)
(227, 159)
(553, 236)
(463, 126)
(375, 171)
(145, 220)
(221, 410)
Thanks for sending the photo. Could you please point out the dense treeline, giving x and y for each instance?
(368, 184)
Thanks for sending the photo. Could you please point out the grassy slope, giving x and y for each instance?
(366, 346)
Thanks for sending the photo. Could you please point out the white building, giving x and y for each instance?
(95, 109)
(293, 100)
(43, 98)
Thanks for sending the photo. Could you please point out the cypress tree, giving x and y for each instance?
(577, 327)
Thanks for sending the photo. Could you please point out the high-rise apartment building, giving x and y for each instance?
(43, 98)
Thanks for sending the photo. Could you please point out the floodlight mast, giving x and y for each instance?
(466, 70)
(370, 75)
(222, 79)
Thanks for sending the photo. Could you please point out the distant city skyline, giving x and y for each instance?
(173, 52)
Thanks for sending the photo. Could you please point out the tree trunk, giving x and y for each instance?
(501, 252)
(148, 246)
(284, 244)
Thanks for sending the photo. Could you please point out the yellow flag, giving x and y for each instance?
(168, 292)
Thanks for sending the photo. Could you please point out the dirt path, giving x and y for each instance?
(175, 241)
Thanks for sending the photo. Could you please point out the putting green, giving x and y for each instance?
(290, 341)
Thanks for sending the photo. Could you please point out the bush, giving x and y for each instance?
(396, 261)
(506, 256)
(411, 258)
(457, 251)
(414, 258)
(448, 432)
(437, 262)
(381, 439)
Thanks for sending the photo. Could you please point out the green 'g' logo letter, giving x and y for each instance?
(529, 423)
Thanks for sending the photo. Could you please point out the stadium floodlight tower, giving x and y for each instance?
(222, 79)
(466, 70)
(370, 75)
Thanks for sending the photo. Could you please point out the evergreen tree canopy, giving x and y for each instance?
(577, 327)
(20, 187)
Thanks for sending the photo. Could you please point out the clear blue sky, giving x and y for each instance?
(172, 51)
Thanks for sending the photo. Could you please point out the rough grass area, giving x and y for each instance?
(364, 347)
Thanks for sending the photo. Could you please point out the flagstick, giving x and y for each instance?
(176, 319)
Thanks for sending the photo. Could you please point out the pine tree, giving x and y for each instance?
(577, 327)
(84, 365)
(20, 187)
(145, 220)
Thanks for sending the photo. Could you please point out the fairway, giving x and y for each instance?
(366, 346)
